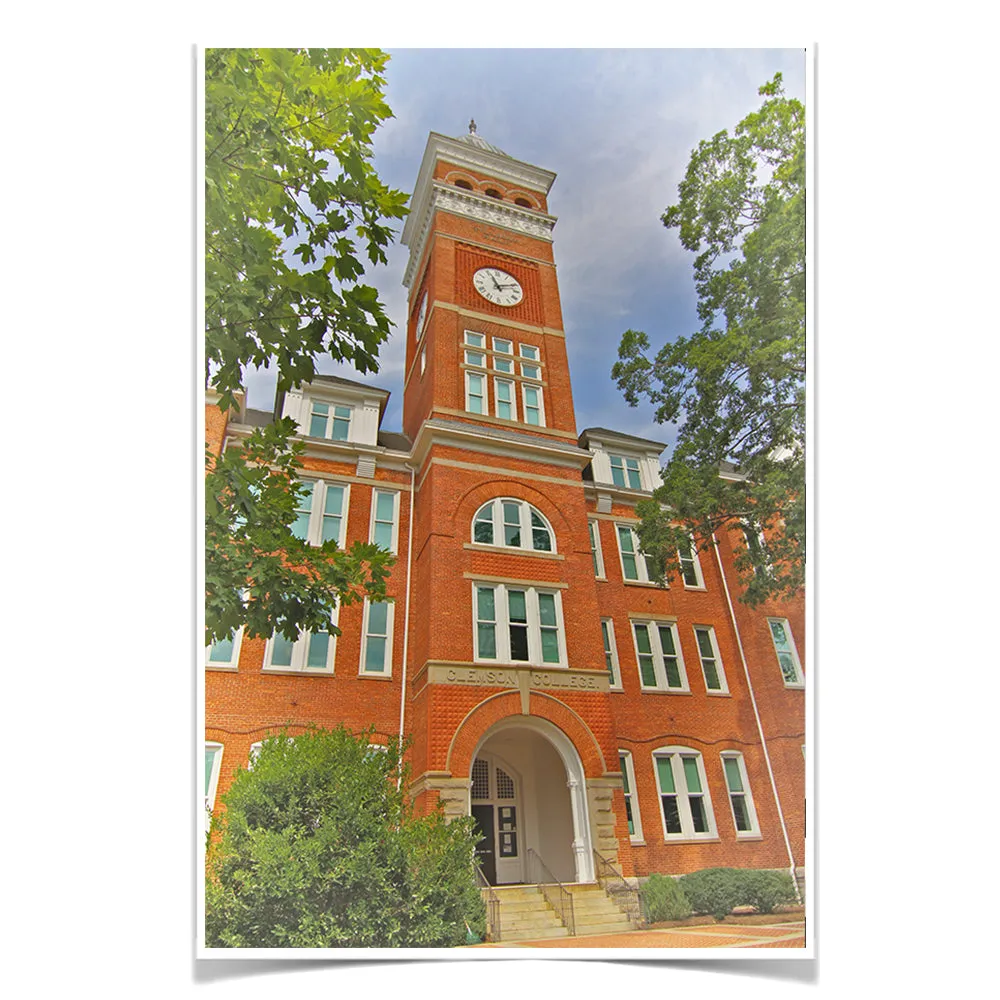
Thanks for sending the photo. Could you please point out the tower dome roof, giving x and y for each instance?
(474, 139)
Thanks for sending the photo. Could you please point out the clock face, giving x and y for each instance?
(497, 286)
(422, 316)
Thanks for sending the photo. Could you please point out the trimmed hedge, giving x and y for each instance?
(664, 899)
(719, 890)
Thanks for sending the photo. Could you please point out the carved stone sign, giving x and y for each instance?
(517, 676)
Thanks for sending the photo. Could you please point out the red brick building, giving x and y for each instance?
(549, 689)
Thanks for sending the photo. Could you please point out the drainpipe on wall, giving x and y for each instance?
(760, 727)
(406, 619)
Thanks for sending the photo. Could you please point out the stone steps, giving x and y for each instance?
(525, 913)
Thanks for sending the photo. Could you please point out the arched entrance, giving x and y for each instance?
(528, 791)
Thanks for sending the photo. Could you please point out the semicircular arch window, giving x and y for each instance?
(514, 524)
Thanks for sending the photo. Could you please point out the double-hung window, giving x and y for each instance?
(595, 548)
(625, 472)
(517, 624)
(321, 515)
(684, 800)
(711, 662)
(512, 523)
(225, 653)
(610, 652)
(504, 403)
(330, 421)
(635, 565)
(213, 766)
(376, 639)
(690, 565)
(501, 363)
(475, 348)
(631, 801)
(385, 519)
(531, 401)
(740, 799)
(475, 392)
(658, 652)
(529, 370)
(310, 653)
(784, 646)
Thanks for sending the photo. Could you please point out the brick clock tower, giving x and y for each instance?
(509, 696)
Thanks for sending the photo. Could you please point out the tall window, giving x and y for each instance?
(610, 652)
(385, 519)
(376, 645)
(711, 662)
(684, 800)
(213, 765)
(690, 566)
(328, 421)
(784, 646)
(475, 346)
(625, 472)
(531, 398)
(631, 801)
(635, 565)
(225, 652)
(503, 399)
(530, 354)
(518, 625)
(595, 548)
(322, 514)
(740, 799)
(658, 651)
(311, 653)
(512, 523)
(475, 392)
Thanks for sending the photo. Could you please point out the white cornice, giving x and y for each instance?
(502, 214)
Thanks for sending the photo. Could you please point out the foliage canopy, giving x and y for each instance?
(320, 849)
(737, 386)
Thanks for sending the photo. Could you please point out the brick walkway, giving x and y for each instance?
(783, 933)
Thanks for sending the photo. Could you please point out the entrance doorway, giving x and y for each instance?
(496, 808)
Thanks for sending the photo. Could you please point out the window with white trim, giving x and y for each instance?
(385, 519)
(311, 653)
(531, 401)
(711, 661)
(213, 766)
(635, 565)
(531, 371)
(475, 340)
(255, 749)
(505, 406)
(423, 361)
(503, 364)
(756, 546)
(515, 624)
(611, 652)
(740, 799)
(528, 351)
(625, 472)
(475, 392)
(784, 646)
(476, 356)
(376, 645)
(631, 800)
(595, 548)
(321, 515)
(225, 652)
(658, 653)
(512, 523)
(685, 805)
(330, 421)
(690, 565)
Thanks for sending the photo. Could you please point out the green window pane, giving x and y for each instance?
(529, 352)
(624, 769)
(733, 777)
(788, 667)
(382, 535)
(475, 358)
(633, 479)
(504, 391)
(487, 641)
(691, 774)
(300, 526)
(385, 506)
(340, 429)
(547, 609)
(550, 645)
(512, 524)
(210, 753)
(689, 574)
(503, 365)
(474, 339)
(666, 775)
(672, 671)
(483, 531)
(486, 604)
(698, 816)
(331, 528)
(647, 672)
(704, 642)
(319, 646)
(642, 639)
(667, 640)
(517, 606)
(221, 651)
(778, 632)
(712, 681)
(606, 636)
(541, 541)
(531, 371)
(317, 425)
(504, 346)
(375, 655)
(342, 411)
(504, 411)
(631, 573)
(334, 503)
(281, 651)
(378, 614)
(625, 539)
(617, 472)
(475, 404)
(321, 409)
(740, 813)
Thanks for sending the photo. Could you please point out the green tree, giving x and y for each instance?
(737, 386)
(292, 204)
(319, 848)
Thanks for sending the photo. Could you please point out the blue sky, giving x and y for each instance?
(617, 126)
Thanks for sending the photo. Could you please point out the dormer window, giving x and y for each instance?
(625, 472)
(333, 422)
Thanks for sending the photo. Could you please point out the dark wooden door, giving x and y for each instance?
(486, 851)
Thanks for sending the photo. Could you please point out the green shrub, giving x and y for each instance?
(713, 890)
(664, 899)
(765, 890)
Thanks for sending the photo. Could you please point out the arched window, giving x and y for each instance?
(523, 202)
(464, 185)
(492, 193)
(512, 523)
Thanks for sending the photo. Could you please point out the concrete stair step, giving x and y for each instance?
(533, 935)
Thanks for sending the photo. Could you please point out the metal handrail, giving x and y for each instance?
(492, 904)
(558, 896)
(626, 897)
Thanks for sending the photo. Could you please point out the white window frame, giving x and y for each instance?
(797, 663)
(387, 672)
(395, 494)
(754, 831)
(503, 364)
(536, 387)
(525, 511)
(213, 780)
(469, 340)
(423, 361)
(641, 566)
(625, 471)
(524, 351)
(500, 350)
(695, 565)
(233, 662)
(611, 649)
(471, 356)
(676, 756)
(254, 753)
(594, 528)
(631, 796)
(468, 393)
(656, 651)
(526, 365)
(496, 398)
(422, 317)
(719, 669)
(331, 416)
(314, 533)
(300, 654)
(501, 624)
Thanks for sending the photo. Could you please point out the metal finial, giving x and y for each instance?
(472, 126)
